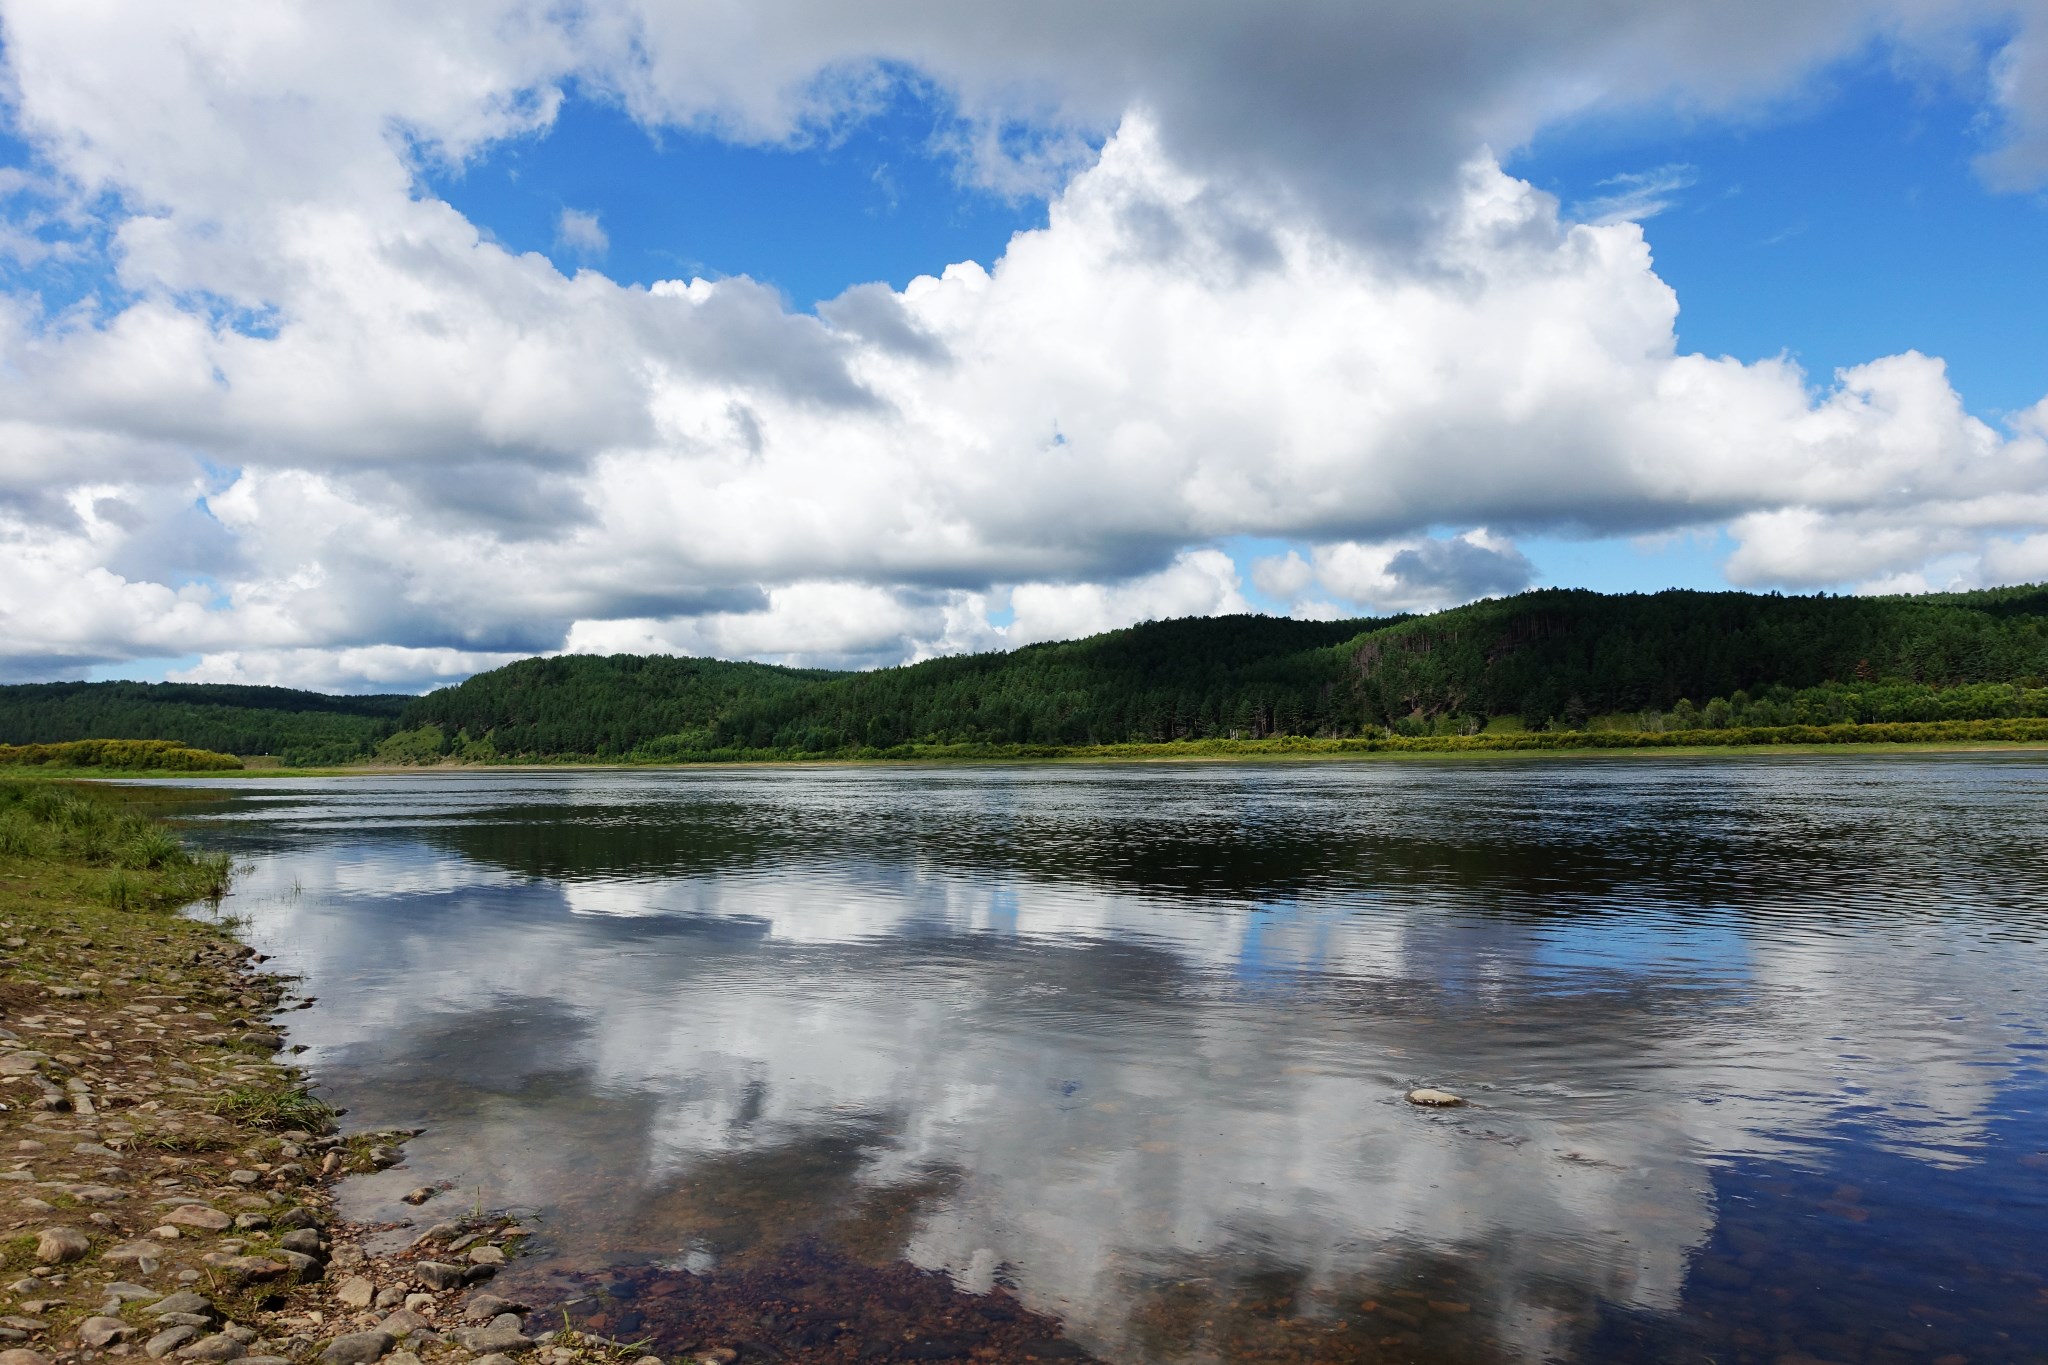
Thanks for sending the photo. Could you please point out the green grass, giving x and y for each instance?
(139, 863)
(275, 1107)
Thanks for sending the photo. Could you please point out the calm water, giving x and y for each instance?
(1755, 1048)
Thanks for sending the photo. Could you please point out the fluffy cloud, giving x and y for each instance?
(316, 425)
(1421, 574)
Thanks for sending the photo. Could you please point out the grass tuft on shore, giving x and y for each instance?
(141, 865)
(278, 1108)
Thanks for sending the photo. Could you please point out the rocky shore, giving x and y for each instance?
(165, 1176)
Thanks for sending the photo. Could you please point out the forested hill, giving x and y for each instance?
(301, 728)
(1549, 660)
(600, 706)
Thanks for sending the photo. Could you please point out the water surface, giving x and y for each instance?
(1754, 1047)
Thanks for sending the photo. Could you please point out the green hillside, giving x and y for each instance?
(1548, 661)
(304, 729)
(585, 704)
(1541, 661)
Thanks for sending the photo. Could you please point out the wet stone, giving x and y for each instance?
(439, 1274)
(1430, 1098)
(501, 1335)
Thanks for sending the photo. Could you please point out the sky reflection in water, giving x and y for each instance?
(1754, 1045)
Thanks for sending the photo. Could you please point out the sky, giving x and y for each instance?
(362, 348)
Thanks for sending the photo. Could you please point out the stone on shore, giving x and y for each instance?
(221, 1347)
(484, 1305)
(199, 1216)
(404, 1323)
(501, 1335)
(58, 1246)
(20, 1356)
(168, 1340)
(304, 1240)
(486, 1256)
(356, 1348)
(103, 1331)
(439, 1274)
(355, 1292)
(184, 1301)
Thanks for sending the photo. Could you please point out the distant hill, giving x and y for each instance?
(305, 729)
(1546, 660)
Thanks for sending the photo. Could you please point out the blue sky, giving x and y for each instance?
(366, 355)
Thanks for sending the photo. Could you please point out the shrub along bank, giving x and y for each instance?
(127, 755)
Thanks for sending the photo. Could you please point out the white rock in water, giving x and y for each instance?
(1434, 1099)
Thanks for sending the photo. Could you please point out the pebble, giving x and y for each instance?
(222, 1347)
(486, 1256)
(19, 1356)
(1434, 1099)
(418, 1303)
(103, 1331)
(418, 1196)
(244, 1177)
(390, 1297)
(57, 1246)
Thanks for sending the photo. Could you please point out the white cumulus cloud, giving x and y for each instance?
(319, 426)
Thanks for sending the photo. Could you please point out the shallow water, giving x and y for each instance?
(1754, 1047)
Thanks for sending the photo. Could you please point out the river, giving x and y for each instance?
(1752, 1047)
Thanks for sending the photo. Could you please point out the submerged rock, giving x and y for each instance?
(1434, 1099)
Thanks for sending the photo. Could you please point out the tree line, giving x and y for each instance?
(1550, 661)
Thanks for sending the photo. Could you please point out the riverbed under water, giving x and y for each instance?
(1753, 1047)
